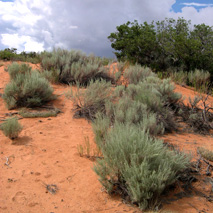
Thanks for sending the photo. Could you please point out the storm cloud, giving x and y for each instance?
(37, 25)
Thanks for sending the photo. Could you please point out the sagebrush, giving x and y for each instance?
(136, 165)
(27, 88)
(11, 128)
(74, 67)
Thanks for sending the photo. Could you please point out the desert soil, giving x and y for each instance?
(46, 156)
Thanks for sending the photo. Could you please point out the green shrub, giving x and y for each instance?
(200, 120)
(136, 165)
(11, 128)
(198, 78)
(149, 104)
(6, 55)
(74, 67)
(179, 77)
(11, 54)
(159, 99)
(133, 112)
(15, 68)
(135, 74)
(51, 75)
(88, 102)
(27, 89)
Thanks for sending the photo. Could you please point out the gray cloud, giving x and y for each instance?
(80, 24)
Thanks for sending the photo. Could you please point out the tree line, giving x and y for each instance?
(165, 44)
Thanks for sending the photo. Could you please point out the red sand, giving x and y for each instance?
(46, 153)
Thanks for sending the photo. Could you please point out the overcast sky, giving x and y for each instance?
(37, 25)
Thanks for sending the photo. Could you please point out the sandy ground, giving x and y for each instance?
(46, 153)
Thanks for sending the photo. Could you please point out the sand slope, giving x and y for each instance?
(46, 153)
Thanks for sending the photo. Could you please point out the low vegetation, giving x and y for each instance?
(92, 100)
(136, 165)
(125, 119)
(198, 79)
(128, 107)
(86, 150)
(72, 67)
(11, 128)
(27, 88)
(39, 114)
(197, 114)
(205, 153)
(12, 55)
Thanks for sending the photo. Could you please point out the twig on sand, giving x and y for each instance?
(51, 188)
(8, 162)
(208, 173)
(198, 164)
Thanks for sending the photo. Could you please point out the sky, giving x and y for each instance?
(37, 25)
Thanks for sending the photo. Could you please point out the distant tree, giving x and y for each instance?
(8, 54)
(202, 37)
(164, 44)
(134, 42)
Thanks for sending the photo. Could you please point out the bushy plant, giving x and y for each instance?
(179, 77)
(74, 66)
(148, 104)
(11, 54)
(92, 100)
(135, 74)
(133, 112)
(159, 98)
(27, 89)
(198, 78)
(136, 165)
(205, 153)
(11, 128)
(15, 68)
(200, 120)
(6, 55)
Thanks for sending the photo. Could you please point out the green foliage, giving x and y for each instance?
(7, 54)
(87, 150)
(73, 67)
(37, 114)
(147, 104)
(180, 77)
(136, 73)
(159, 98)
(136, 165)
(14, 69)
(11, 128)
(11, 54)
(27, 88)
(166, 44)
(198, 78)
(92, 100)
(135, 43)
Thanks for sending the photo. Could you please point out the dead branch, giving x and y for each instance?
(8, 162)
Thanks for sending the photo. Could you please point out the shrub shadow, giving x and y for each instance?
(21, 141)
